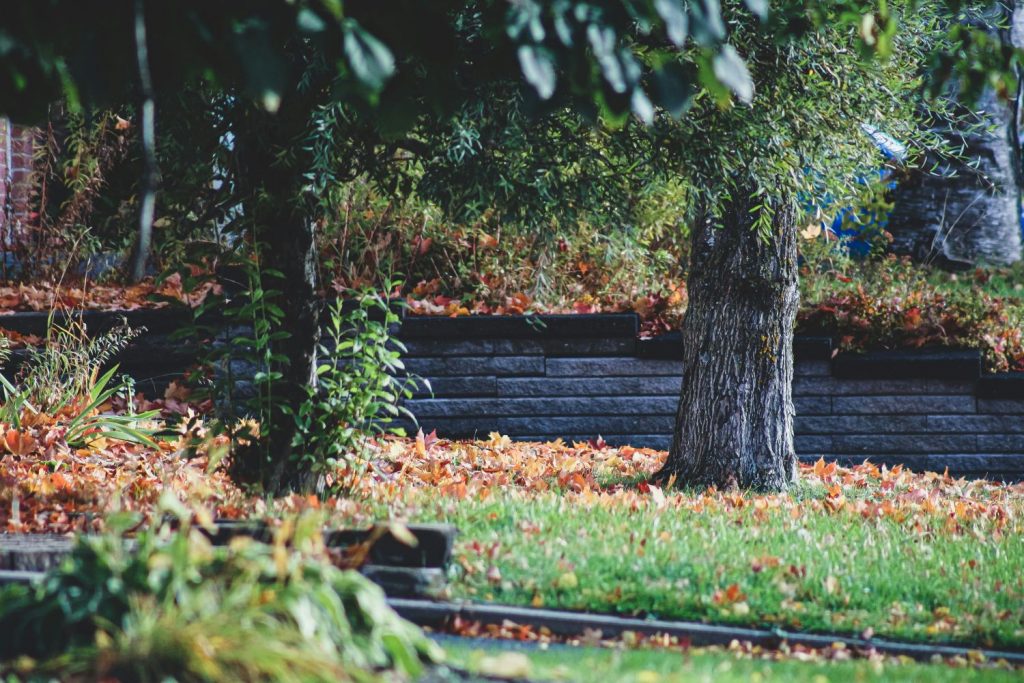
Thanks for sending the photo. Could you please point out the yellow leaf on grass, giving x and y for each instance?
(506, 665)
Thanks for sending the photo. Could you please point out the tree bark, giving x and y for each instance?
(291, 250)
(968, 212)
(281, 214)
(734, 425)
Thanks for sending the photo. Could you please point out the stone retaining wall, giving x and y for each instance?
(580, 376)
(584, 376)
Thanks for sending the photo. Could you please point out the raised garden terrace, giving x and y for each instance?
(581, 377)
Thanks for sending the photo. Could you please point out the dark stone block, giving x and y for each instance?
(861, 424)
(812, 368)
(156, 321)
(928, 363)
(612, 367)
(811, 445)
(433, 547)
(33, 552)
(832, 386)
(668, 346)
(613, 346)
(564, 406)
(224, 531)
(590, 386)
(429, 348)
(407, 582)
(873, 444)
(1001, 443)
(1001, 406)
(1005, 385)
(517, 326)
(419, 348)
(457, 386)
(812, 348)
(903, 405)
(586, 424)
(462, 366)
(812, 405)
(979, 424)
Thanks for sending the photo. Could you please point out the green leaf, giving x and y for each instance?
(758, 7)
(262, 62)
(675, 87)
(602, 41)
(677, 23)
(642, 106)
(731, 71)
(371, 60)
(309, 22)
(538, 69)
(706, 21)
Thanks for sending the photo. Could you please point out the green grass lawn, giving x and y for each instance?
(817, 572)
(587, 665)
(863, 550)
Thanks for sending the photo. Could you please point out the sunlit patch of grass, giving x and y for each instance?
(888, 551)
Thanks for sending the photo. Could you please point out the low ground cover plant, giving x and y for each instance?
(166, 605)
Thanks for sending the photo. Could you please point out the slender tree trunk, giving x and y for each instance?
(734, 426)
(291, 250)
(282, 216)
(150, 169)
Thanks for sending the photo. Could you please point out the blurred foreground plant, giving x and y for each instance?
(166, 604)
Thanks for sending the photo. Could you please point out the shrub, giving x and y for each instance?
(361, 384)
(63, 382)
(892, 303)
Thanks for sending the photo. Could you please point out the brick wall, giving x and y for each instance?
(16, 149)
(587, 376)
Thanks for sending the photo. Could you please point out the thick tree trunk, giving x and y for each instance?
(734, 426)
(966, 214)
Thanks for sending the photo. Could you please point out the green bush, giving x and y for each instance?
(166, 605)
(361, 383)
